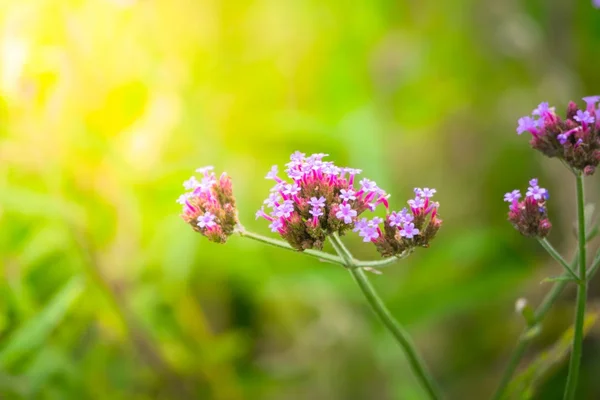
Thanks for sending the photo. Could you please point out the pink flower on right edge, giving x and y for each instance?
(575, 139)
(529, 216)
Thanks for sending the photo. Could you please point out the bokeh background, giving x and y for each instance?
(106, 106)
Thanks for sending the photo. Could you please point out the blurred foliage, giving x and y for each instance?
(106, 106)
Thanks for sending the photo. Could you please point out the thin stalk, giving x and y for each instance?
(285, 245)
(524, 339)
(575, 361)
(556, 255)
(415, 361)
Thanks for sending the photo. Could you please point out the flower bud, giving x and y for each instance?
(209, 206)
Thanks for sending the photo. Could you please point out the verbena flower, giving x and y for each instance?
(529, 216)
(317, 198)
(575, 139)
(209, 205)
(406, 229)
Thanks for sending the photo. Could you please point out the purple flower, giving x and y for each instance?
(596, 3)
(427, 192)
(272, 200)
(536, 192)
(191, 183)
(562, 137)
(346, 213)
(368, 233)
(184, 198)
(317, 203)
(513, 196)
(284, 210)
(291, 189)
(395, 219)
(361, 224)
(533, 182)
(272, 173)
(347, 195)
(316, 212)
(408, 217)
(206, 221)
(368, 185)
(276, 225)
(583, 117)
(417, 202)
(409, 231)
(527, 124)
(375, 221)
(204, 170)
(592, 100)
(297, 156)
(543, 109)
(260, 213)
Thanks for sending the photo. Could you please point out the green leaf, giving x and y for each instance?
(36, 330)
(523, 385)
(588, 213)
(561, 278)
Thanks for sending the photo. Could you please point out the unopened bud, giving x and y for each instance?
(523, 308)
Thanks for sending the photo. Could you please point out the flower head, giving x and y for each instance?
(406, 229)
(575, 139)
(529, 216)
(209, 207)
(317, 199)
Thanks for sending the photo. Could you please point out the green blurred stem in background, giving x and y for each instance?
(551, 297)
(355, 267)
(575, 362)
(556, 255)
(416, 363)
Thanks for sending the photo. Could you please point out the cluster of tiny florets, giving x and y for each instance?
(405, 229)
(209, 205)
(529, 216)
(317, 200)
(576, 139)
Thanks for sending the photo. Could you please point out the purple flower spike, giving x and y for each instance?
(409, 231)
(527, 124)
(346, 213)
(513, 196)
(583, 117)
(207, 220)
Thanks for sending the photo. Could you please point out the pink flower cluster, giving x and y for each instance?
(209, 205)
(406, 229)
(316, 199)
(529, 216)
(576, 139)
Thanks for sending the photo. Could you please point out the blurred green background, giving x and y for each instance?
(106, 106)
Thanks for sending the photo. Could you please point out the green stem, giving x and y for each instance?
(556, 255)
(323, 256)
(524, 339)
(575, 362)
(285, 245)
(416, 363)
